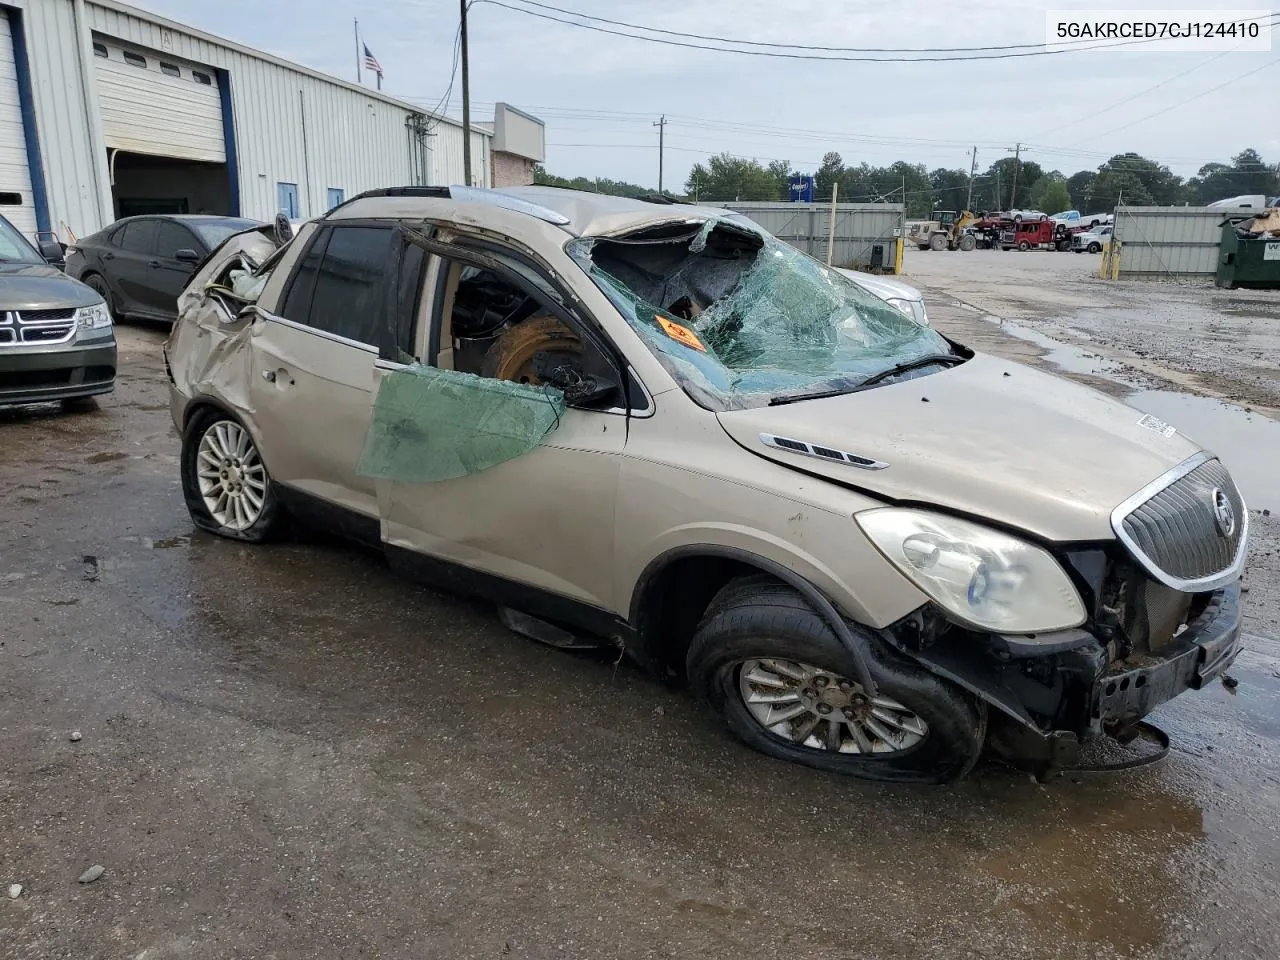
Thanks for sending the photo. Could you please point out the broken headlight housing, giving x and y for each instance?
(981, 577)
(94, 321)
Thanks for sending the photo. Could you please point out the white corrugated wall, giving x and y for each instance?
(354, 139)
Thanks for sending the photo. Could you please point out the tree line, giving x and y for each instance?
(1007, 183)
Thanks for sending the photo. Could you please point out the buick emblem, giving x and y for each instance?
(1223, 512)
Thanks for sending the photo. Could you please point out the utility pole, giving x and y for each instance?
(466, 99)
(973, 168)
(1016, 150)
(661, 124)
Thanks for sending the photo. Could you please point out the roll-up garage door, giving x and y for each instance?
(155, 104)
(15, 175)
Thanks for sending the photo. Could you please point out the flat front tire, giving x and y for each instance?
(783, 683)
(224, 481)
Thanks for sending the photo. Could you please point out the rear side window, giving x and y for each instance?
(172, 238)
(139, 237)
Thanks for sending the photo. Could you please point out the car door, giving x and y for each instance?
(534, 530)
(313, 357)
(169, 275)
(129, 265)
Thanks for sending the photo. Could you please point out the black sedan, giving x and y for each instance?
(141, 264)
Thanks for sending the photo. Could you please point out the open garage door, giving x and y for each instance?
(152, 103)
(15, 175)
(162, 122)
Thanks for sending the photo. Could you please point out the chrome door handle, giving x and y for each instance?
(269, 376)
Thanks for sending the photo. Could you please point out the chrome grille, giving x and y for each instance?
(1172, 527)
(38, 326)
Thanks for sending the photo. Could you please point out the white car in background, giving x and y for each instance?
(1091, 241)
(902, 296)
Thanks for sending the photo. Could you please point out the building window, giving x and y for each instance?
(168, 69)
(336, 196)
(99, 49)
(134, 59)
(204, 78)
(287, 199)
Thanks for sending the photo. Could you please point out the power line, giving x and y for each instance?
(1227, 83)
(813, 56)
(784, 46)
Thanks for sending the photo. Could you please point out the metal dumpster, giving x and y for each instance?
(1248, 261)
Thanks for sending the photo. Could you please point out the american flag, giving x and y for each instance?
(371, 61)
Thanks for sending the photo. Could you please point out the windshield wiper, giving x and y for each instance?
(928, 360)
(925, 361)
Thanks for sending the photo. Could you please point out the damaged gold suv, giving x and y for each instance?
(874, 550)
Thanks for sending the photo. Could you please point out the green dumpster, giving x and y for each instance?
(1248, 261)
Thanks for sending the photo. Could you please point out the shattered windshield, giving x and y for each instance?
(741, 319)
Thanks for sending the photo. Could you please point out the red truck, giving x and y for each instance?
(1028, 234)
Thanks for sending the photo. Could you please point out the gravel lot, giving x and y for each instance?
(286, 752)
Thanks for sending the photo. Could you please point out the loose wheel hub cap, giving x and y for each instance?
(821, 710)
(232, 479)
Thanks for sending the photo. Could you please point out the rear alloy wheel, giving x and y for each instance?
(224, 480)
(782, 680)
(98, 285)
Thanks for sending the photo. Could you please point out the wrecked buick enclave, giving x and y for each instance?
(655, 426)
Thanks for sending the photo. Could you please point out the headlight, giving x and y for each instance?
(96, 317)
(903, 305)
(984, 578)
(913, 309)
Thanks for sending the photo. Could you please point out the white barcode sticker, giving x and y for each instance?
(1156, 424)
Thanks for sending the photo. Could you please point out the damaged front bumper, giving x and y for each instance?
(1198, 655)
(1052, 692)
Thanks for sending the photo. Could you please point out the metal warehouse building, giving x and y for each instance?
(107, 111)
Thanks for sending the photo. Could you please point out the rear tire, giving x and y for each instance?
(98, 284)
(758, 619)
(219, 456)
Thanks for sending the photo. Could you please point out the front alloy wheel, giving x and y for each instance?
(233, 481)
(773, 668)
(821, 710)
(225, 483)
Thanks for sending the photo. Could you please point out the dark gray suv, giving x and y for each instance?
(56, 337)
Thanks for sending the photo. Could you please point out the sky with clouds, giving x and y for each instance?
(600, 94)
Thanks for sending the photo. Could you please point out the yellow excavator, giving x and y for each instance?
(945, 231)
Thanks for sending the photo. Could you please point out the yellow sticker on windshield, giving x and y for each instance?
(681, 334)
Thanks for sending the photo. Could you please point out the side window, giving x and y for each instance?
(343, 283)
(352, 284)
(502, 325)
(139, 237)
(302, 285)
(172, 237)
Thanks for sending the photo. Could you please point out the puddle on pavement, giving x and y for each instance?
(1066, 357)
(1247, 442)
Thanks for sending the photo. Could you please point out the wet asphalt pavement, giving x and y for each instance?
(287, 752)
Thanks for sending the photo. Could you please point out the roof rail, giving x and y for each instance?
(468, 194)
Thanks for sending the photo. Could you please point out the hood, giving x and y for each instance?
(37, 286)
(886, 288)
(995, 439)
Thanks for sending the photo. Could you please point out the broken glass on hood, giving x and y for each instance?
(740, 318)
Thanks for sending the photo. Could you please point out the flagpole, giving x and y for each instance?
(356, 24)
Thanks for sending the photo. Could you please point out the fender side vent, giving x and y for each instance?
(822, 453)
